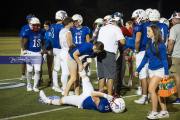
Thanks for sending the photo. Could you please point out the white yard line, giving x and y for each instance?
(35, 113)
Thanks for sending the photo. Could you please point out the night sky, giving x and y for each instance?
(13, 12)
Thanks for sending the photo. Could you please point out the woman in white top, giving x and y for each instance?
(65, 38)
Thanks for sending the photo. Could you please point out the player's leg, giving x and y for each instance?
(29, 76)
(143, 77)
(37, 69)
(57, 61)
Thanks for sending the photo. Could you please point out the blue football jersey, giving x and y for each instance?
(48, 39)
(34, 40)
(144, 38)
(104, 105)
(164, 31)
(79, 34)
(23, 29)
(55, 29)
(84, 49)
(89, 104)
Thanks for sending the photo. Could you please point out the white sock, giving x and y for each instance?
(64, 79)
(56, 102)
(55, 78)
(29, 77)
(44, 98)
(36, 78)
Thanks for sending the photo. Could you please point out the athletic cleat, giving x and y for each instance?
(153, 115)
(163, 114)
(29, 87)
(43, 97)
(57, 89)
(142, 100)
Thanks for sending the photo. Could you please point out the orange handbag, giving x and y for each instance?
(167, 87)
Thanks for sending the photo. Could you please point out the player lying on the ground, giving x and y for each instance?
(89, 99)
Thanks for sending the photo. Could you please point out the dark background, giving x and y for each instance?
(13, 12)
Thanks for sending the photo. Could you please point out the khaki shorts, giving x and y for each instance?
(175, 68)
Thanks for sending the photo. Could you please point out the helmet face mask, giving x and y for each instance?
(35, 24)
(117, 105)
(78, 19)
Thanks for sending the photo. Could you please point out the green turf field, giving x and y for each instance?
(16, 103)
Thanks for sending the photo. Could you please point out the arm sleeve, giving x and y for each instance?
(163, 55)
(143, 62)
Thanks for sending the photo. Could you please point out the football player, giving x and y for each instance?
(55, 29)
(89, 99)
(139, 17)
(80, 33)
(24, 28)
(32, 40)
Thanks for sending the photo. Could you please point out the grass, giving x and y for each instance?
(17, 101)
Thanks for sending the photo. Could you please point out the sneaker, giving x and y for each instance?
(35, 89)
(163, 114)
(43, 97)
(57, 89)
(177, 101)
(29, 87)
(23, 77)
(153, 115)
(142, 100)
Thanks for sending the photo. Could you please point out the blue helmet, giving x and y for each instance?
(104, 105)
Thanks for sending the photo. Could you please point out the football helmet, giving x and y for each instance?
(118, 17)
(139, 15)
(29, 16)
(154, 15)
(34, 24)
(61, 15)
(117, 105)
(165, 21)
(78, 17)
(148, 10)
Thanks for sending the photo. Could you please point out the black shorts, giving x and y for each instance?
(106, 65)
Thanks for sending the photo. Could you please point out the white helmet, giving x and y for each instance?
(99, 21)
(148, 10)
(139, 15)
(117, 105)
(136, 13)
(61, 15)
(34, 20)
(78, 17)
(154, 15)
(165, 21)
